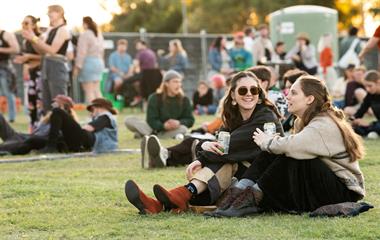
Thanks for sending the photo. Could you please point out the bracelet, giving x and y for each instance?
(35, 39)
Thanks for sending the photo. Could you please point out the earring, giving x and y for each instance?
(233, 102)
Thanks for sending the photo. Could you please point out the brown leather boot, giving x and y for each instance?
(228, 198)
(141, 201)
(176, 199)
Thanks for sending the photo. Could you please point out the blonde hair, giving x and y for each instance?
(59, 9)
(312, 86)
(163, 91)
(179, 48)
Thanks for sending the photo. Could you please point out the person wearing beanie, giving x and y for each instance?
(22, 143)
(169, 111)
(99, 135)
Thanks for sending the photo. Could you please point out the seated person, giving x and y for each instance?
(203, 100)
(371, 100)
(355, 92)
(22, 143)
(120, 65)
(339, 88)
(245, 108)
(99, 135)
(315, 166)
(169, 111)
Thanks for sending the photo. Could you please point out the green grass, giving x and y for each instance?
(84, 199)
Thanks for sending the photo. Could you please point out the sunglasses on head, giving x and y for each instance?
(242, 91)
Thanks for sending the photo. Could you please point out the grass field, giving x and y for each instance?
(84, 199)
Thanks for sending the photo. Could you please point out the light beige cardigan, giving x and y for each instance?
(322, 139)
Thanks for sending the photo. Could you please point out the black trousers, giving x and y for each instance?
(297, 185)
(75, 138)
(180, 154)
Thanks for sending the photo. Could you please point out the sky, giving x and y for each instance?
(13, 11)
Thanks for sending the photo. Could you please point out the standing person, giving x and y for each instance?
(169, 111)
(374, 41)
(99, 135)
(8, 46)
(31, 61)
(245, 108)
(347, 41)
(262, 46)
(241, 58)
(55, 71)
(371, 100)
(303, 54)
(120, 64)
(316, 166)
(249, 37)
(219, 58)
(145, 58)
(89, 65)
(326, 61)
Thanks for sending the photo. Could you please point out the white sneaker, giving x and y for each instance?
(157, 154)
(373, 135)
(144, 152)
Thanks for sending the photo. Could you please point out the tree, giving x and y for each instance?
(154, 16)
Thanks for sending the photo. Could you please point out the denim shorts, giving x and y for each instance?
(92, 70)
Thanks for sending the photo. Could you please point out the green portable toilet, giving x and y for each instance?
(286, 23)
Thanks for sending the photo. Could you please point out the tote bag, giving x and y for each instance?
(350, 57)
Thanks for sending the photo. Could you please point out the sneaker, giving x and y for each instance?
(373, 135)
(157, 154)
(144, 152)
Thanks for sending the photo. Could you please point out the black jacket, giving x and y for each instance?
(242, 146)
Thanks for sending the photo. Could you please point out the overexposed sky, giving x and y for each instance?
(12, 12)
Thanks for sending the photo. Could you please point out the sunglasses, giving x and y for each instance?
(242, 91)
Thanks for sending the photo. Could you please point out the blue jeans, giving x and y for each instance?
(5, 91)
(373, 127)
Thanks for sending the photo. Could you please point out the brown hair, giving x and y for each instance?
(230, 115)
(372, 76)
(162, 91)
(262, 72)
(35, 21)
(292, 75)
(91, 25)
(322, 106)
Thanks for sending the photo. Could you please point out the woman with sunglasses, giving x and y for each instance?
(31, 61)
(315, 166)
(245, 108)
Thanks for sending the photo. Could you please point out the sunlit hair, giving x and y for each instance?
(178, 47)
(322, 105)
(292, 75)
(163, 91)
(58, 9)
(91, 25)
(230, 114)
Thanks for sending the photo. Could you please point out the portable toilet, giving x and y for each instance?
(316, 21)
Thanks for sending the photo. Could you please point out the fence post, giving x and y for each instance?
(142, 32)
(204, 53)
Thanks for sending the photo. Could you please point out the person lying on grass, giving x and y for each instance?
(316, 166)
(18, 143)
(245, 108)
(99, 135)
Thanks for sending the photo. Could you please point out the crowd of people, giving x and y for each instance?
(273, 121)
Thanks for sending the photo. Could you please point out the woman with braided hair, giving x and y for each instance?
(315, 166)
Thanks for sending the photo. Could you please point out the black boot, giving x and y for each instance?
(244, 205)
(225, 200)
(49, 148)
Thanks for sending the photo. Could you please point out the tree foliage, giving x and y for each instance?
(215, 16)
